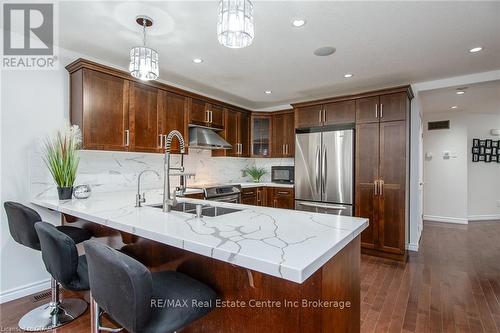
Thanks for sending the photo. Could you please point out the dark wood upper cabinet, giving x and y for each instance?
(206, 114)
(100, 106)
(393, 106)
(283, 135)
(390, 107)
(173, 116)
(236, 133)
(144, 112)
(244, 134)
(261, 132)
(118, 112)
(367, 110)
(343, 112)
(215, 115)
(198, 112)
(339, 113)
(309, 116)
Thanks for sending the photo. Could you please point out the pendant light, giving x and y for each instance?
(144, 60)
(235, 28)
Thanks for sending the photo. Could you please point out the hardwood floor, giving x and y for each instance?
(451, 285)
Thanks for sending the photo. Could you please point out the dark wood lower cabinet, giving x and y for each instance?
(276, 197)
(283, 198)
(249, 196)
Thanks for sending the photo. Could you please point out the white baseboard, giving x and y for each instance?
(27, 289)
(484, 217)
(445, 219)
(412, 247)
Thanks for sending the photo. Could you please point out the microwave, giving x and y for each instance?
(282, 174)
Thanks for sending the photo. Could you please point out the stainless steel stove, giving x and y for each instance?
(222, 193)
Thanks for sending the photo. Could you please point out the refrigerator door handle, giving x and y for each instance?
(332, 207)
(318, 161)
(323, 173)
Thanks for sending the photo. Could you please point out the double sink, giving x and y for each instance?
(206, 210)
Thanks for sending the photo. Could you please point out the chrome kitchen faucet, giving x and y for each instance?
(168, 200)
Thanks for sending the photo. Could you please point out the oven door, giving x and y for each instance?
(233, 198)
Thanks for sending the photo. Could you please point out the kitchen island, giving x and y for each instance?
(275, 270)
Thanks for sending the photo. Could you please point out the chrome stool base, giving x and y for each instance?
(53, 314)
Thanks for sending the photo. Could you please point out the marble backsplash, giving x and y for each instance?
(114, 171)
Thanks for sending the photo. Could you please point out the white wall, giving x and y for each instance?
(32, 103)
(445, 180)
(483, 178)
(415, 220)
(457, 190)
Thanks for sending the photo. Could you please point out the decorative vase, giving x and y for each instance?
(65, 193)
(256, 180)
(82, 191)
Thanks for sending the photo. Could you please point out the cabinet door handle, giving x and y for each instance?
(286, 149)
(381, 110)
(161, 140)
(324, 115)
(282, 193)
(127, 138)
(376, 110)
(207, 116)
(211, 116)
(375, 187)
(274, 203)
(381, 184)
(320, 115)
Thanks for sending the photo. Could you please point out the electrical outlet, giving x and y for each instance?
(498, 203)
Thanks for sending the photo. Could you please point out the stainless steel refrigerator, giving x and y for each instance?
(324, 172)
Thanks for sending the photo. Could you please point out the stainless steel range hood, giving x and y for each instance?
(206, 138)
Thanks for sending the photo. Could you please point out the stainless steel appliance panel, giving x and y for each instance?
(337, 167)
(324, 208)
(308, 166)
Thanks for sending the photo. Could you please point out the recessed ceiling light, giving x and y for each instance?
(197, 60)
(299, 23)
(454, 107)
(475, 49)
(460, 92)
(269, 92)
(348, 75)
(324, 51)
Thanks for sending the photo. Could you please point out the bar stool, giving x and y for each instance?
(21, 221)
(61, 260)
(138, 299)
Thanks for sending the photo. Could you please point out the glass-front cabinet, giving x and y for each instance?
(261, 136)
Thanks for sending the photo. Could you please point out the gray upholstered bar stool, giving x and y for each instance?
(61, 259)
(136, 298)
(21, 220)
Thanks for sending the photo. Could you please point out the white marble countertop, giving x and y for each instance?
(283, 243)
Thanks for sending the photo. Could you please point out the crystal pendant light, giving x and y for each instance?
(235, 27)
(144, 60)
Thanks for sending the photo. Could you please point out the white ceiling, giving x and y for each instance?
(479, 98)
(381, 43)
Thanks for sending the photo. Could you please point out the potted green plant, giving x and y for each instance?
(255, 173)
(61, 157)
